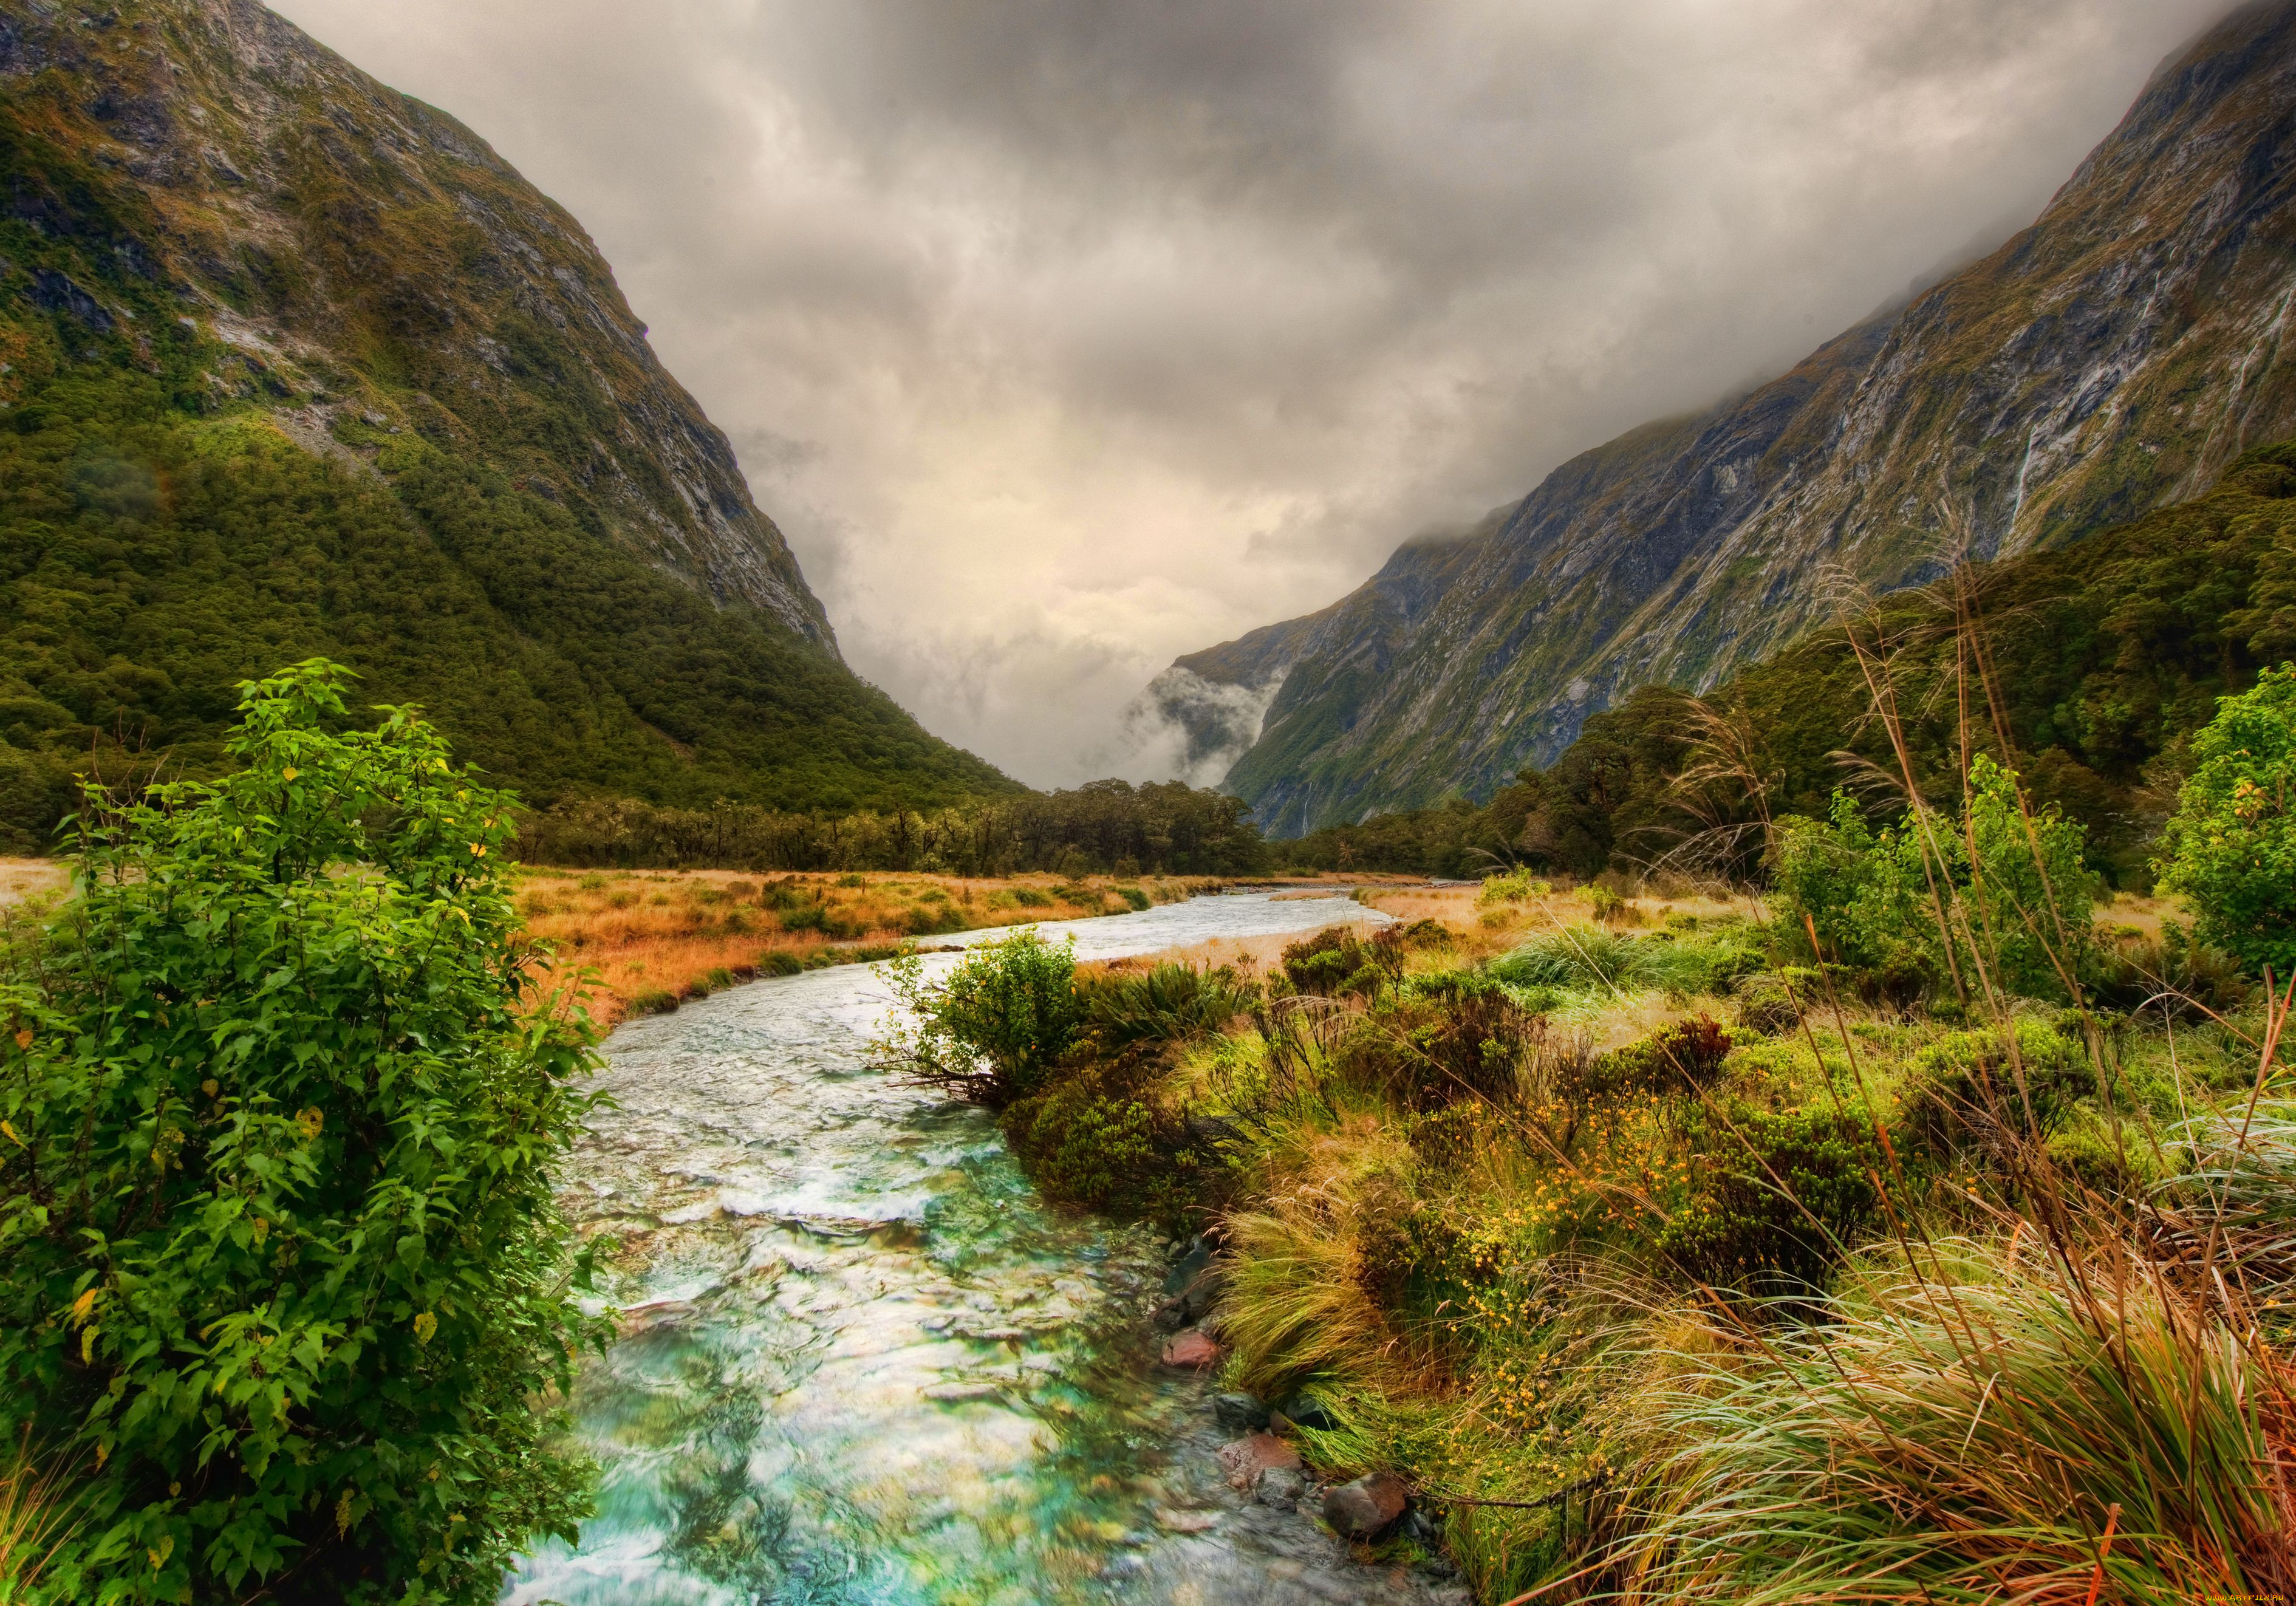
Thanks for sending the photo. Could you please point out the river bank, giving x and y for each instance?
(655, 940)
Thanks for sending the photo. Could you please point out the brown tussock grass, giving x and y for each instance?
(644, 932)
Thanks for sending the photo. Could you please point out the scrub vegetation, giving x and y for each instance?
(284, 1294)
(2102, 659)
(1907, 1223)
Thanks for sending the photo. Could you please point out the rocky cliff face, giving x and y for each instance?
(2112, 357)
(367, 263)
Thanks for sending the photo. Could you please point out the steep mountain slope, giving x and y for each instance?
(2114, 357)
(294, 364)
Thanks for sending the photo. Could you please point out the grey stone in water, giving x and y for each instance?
(1239, 1413)
(1367, 1507)
(1281, 1488)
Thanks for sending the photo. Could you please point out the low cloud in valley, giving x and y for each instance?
(1061, 337)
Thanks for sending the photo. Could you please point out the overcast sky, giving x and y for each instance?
(1064, 336)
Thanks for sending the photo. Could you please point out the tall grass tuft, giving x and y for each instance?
(36, 1519)
(1973, 1435)
(1591, 959)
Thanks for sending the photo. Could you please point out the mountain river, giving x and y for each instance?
(862, 1362)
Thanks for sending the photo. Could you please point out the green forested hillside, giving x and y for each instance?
(292, 366)
(2103, 656)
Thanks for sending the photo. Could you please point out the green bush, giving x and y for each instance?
(1338, 962)
(1964, 1088)
(1136, 897)
(779, 962)
(280, 1267)
(2231, 847)
(1093, 1136)
(992, 1031)
(1777, 1197)
(2018, 910)
(1683, 1058)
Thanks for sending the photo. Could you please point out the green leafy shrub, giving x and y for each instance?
(992, 1031)
(1093, 1135)
(1513, 887)
(1338, 962)
(804, 917)
(2231, 847)
(279, 1260)
(2016, 896)
(779, 962)
(1682, 1058)
(932, 919)
(1471, 1048)
(1136, 897)
(1777, 1197)
(1029, 897)
(1964, 1088)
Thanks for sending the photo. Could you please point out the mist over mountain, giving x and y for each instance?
(2111, 358)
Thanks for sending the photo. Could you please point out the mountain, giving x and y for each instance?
(292, 363)
(2113, 357)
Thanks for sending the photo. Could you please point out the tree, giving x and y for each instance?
(991, 1032)
(280, 1267)
(2231, 847)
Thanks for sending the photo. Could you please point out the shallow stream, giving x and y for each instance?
(863, 1362)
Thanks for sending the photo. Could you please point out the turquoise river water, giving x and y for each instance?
(863, 1362)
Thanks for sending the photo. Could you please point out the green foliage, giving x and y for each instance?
(2231, 846)
(1095, 1136)
(279, 1260)
(2003, 895)
(1965, 1088)
(1338, 962)
(1109, 825)
(990, 1032)
(1780, 1197)
(1167, 1003)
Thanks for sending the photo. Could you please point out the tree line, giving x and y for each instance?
(1110, 827)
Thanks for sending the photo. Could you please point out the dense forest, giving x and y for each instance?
(2087, 666)
(1111, 826)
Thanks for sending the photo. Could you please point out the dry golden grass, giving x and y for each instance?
(21, 878)
(645, 933)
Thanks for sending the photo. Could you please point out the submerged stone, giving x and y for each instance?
(1194, 1350)
(1367, 1507)
(1239, 1413)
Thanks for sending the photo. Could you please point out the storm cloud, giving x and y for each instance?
(1064, 336)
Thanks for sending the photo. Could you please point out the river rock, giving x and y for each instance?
(1192, 1351)
(1306, 1410)
(1254, 1454)
(1367, 1507)
(1281, 1488)
(1239, 1413)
